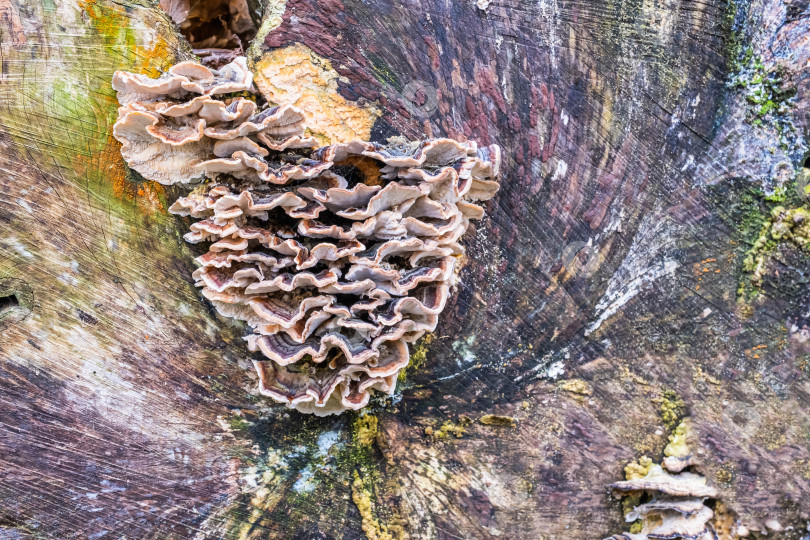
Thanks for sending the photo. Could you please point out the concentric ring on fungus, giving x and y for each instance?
(335, 266)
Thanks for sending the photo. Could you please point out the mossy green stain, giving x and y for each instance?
(769, 100)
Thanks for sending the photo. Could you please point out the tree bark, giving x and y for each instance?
(633, 270)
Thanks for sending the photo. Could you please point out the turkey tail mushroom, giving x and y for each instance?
(336, 257)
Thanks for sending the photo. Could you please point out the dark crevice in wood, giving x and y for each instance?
(8, 303)
(218, 30)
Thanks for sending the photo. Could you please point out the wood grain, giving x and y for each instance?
(636, 179)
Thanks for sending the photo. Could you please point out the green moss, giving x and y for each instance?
(779, 195)
(732, 28)
(238, 423)
(383, 73)
(380, 521)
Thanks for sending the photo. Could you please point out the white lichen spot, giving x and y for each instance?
(17, 246)
(22, 202)
(326, 441)
(555, 370)
(304, 484)
(560, 170)
(464, 349)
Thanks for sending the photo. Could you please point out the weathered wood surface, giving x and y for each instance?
(128, 407)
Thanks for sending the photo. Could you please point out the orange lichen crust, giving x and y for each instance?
(336, 257)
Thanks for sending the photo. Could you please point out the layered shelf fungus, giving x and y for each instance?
(663, 502)
(675, 506)
(337, 257)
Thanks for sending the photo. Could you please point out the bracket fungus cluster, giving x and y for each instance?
(665, 502)
(336, 257)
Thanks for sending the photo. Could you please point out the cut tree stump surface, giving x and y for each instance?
(616, 285)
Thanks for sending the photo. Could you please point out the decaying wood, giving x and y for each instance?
(645, 260)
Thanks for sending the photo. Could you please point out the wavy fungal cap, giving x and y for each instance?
(336, 257)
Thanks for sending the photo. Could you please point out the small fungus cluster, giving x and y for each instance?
(336, 257)
(675, 507)
(666, 502)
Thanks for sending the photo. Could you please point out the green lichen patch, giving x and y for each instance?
(237, 422)
(752, 214)
(784, 225)
(365, 430)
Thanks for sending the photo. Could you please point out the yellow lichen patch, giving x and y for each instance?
(366, 429)
(576, 386)
(678, 441)
(772, 434)
(298, 76)
(362, 499)
(638, 469)
(145, 193)
(724, 522)
(457, 429)
(723, 476)
(636, 527)
(628, 376)
(366, 167)
(418, 356)
(150, 56)
(496, 420)
(785, 225)
(700, 376)
(672, 408)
